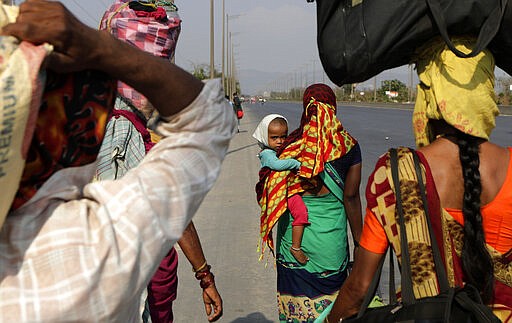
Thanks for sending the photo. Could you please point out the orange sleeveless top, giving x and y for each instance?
(497, 221)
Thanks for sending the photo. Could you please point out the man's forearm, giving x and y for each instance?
(191, 247)
(168, 87)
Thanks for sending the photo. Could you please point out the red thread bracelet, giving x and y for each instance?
(208, 282)
(202, 274)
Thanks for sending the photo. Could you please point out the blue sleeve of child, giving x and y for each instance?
(269, 159)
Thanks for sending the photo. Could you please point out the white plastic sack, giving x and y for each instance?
(21, 86)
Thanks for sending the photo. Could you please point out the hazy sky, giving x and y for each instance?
(269, 35)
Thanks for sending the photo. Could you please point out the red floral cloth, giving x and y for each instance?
(69, 129)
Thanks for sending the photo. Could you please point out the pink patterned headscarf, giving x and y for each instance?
(153, 33)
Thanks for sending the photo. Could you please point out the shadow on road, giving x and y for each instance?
(241, 148)
(251, 124)
(253, 318)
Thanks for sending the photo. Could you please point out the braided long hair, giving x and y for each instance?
(476, 261)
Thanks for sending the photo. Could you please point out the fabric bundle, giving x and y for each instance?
(48, 121)
(459, 91)
(145, 27)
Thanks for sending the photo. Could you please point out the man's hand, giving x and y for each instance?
(212, 303)
(75, 44)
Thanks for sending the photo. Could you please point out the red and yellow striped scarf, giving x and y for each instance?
(321, 138)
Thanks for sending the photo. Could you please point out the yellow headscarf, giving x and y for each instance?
(458, 90)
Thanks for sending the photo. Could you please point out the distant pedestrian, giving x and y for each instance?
(237, 107)
(271, 132)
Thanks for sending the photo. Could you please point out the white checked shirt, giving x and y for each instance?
(81, 251)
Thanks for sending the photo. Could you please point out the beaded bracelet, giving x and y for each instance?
(208, 282)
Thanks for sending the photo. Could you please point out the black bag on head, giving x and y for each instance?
(358, 39)
(451, 305)
(501, 45)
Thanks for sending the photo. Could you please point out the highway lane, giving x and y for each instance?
(376, 128)
(228, 220)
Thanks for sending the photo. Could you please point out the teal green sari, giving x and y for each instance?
(304, 291)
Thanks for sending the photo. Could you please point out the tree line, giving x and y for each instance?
(390, 91)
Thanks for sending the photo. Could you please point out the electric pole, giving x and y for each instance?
(212, 35)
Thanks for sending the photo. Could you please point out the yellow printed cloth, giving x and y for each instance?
(450, 233)
(457, 90)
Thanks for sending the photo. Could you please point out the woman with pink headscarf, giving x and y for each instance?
(149, 27)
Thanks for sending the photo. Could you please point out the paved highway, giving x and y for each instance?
(228, 220)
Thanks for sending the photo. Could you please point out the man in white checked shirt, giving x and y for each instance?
(77, 251)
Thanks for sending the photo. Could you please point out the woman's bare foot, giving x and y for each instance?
(299, 255)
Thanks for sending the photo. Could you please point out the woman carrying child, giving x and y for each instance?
(328, 179)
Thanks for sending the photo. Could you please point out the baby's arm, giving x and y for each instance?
(269, 159)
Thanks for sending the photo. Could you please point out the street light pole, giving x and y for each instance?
(228, 76)
(232, 84)
(223, 44)
(305, 84)
(233, 67)
(212, 67)
(410, 83)
(231, 79)
(228, 67)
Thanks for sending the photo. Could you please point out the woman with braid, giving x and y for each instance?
(468, 182)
